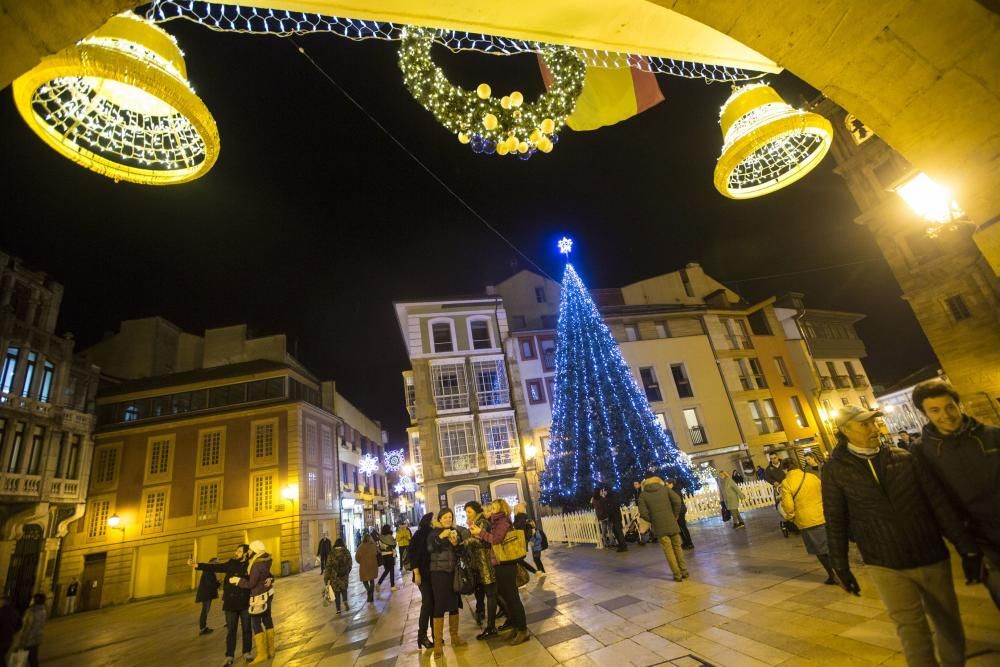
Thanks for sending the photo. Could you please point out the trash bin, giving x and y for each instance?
(286, 568)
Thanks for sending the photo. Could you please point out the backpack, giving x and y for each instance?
(545, 539)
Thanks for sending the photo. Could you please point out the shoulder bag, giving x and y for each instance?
(786, 519)
(513, 547)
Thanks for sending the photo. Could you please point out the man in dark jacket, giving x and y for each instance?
(773, 473)
(608, 509)
(686, 542)
(235, 600)
(660, 506)
(10, 623)
(964, 455)
(325, 547)
(208, 590)
(896, 512)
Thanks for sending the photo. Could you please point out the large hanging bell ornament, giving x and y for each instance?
(119, 103)
(767, 144)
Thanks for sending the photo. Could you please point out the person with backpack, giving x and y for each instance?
(235, 600)
(387, 551)
(259, 581)
(802, 504)
(338, 567)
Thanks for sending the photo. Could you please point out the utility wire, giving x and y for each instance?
(796, 273)
(423, 166)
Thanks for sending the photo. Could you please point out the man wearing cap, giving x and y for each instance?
(896, 512)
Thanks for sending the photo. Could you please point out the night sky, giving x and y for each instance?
(313, 221)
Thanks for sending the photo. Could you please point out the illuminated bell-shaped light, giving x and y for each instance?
(119, 103)
(483, 90)
(767, 144)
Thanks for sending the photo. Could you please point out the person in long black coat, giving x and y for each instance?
(235, 600)
(420, 565)
(10, 623)
(208, 590)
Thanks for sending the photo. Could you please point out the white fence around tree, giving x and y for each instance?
(583, 527)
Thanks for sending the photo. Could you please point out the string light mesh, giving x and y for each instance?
(118, 102)
(259, 21)
(603, 430)
(767, 144)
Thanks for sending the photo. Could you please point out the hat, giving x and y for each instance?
(852, 413)
(257, 547)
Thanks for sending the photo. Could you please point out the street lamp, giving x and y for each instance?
(115, 523)
(290, 493)
(930, 200)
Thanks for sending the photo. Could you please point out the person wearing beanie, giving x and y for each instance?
(259, 582)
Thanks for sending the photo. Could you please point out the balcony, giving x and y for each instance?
(826, 383)
(698, 436)
(460, 464)
(21, 485)
(843, 382)
(64, 489)
(859, 382)
(26, 404)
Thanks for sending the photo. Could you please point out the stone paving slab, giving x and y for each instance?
(754, 599)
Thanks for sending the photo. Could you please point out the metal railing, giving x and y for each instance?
(843, 382)
(859, 381)
(698, 436)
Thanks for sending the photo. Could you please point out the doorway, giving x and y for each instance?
(151, 570)
(92, 581)
(23, 569)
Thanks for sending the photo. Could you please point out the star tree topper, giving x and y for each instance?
(566, 246)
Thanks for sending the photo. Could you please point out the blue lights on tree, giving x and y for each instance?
(603, 431)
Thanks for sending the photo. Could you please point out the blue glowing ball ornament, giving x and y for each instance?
(477, 144)
(554, 138)
(489, 147)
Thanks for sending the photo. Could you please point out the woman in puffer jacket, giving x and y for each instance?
(259, 580)
(387, 550)
(802, 503)
(338, 568)
(445, 545)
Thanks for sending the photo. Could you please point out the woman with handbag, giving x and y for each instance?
(802, 504)
(731, 496)
(387, 550)
(444, 545)
(338, 568)
(259, 582)
(509, 546)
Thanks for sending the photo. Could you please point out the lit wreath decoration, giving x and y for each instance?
(505, 126)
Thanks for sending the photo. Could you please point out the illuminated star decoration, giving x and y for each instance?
(565, 246)
(368, 465)
(394, 460)
(405, 485)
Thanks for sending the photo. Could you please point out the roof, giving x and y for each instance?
(258, 366)
(928, 372)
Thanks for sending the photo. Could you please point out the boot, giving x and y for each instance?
(824, 560)
(456, 641)
(272, 647)
(260, 648)
(438, 630)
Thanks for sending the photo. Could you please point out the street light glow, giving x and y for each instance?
(290, 492)
(930, 200)
(114, 521)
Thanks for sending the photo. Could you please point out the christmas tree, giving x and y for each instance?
(603, 431)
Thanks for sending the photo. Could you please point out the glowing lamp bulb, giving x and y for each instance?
(530, 451)
(290, 492)
(114, 521)
(930, 200)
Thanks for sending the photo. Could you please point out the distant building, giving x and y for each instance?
(46, 425)
(896, 402)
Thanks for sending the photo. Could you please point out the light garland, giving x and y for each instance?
(368, 465)
(261, 21)
(393, 459)
(503, 126)
(603, 430)
(404, 485)
(118, 102)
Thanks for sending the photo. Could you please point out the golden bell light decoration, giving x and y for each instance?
(119, 103)
(767, 144)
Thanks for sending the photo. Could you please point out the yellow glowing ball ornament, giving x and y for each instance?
(548, 126)
(490, 121)
(502, 149)
(484, 91)
(505, 102)
(546, 145)
(463, 138)
(768, 144)
(516, 99)
(118, 102)
(535, 137)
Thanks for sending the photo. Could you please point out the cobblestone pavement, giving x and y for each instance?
(754, 598)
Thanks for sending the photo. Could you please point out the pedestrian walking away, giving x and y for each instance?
(337, 572)
(367, 559)
(235, 600)
(32, 627)
(259, 581)
(539, 543)
(445, 544)
(686, 542)
(71, 591)
(963, 454)
(208, 590)
(403, 537)
(480, 555)
(387, 550)
(731, 495)
(802, 504)
(506, 567)
(10, 623)
(420, 564)
(660, 506)
(896, 512)
(323, 552)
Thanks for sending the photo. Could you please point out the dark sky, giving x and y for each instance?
(313, 221)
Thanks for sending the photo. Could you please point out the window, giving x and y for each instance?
(828, 407)
(864, 401)
(479, 334)
(326, 445)
(312, 487)
(458, 447)
(539, 295)
(631, 332)
(9, 369)
(29, 374)
(158, 461)
(548, 348)
(800, 415)
(263, 492)
(536, 394)
(758, 417)
(97, 518)
(845, 400)
(491, 383)
(500, 438)
(759, 324)
(35, 453)
(650, 383)
(786, 379)
(773, 420)
(661, 420)
(312, 442)
(757, 372)
(449, 386)
(527, 346)
(105, 466)
(550, 389)
(48, 374)
(262, 444)
(956, 306)
(694, 426)
(356, 486)
(328, 491)
(210, 446)
(16, 446)
(661, 330)
(207, 495)
(442, 339)
(737, 335)
(155, 511)
(73, 460)
(681, 380)
(745, 382)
